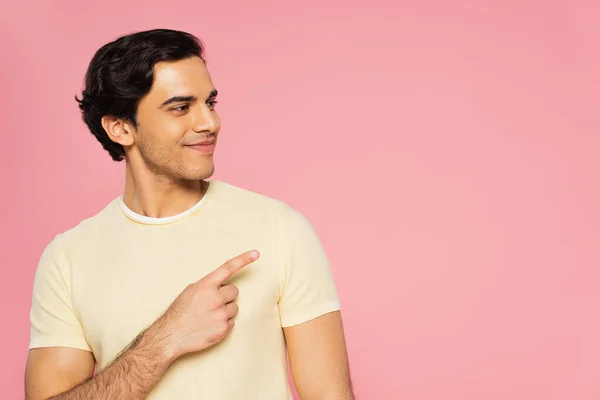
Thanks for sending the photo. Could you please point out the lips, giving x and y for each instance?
(206, 147)
(204, 143)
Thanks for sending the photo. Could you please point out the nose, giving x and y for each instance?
(205, 120)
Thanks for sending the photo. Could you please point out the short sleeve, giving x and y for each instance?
(53, 319)
(307, 288)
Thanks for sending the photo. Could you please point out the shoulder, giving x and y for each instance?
(85, 229)
(244, 203)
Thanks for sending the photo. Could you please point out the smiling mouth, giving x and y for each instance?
(203, 143)
(207, 147)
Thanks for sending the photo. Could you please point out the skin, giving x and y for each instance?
(165, 177)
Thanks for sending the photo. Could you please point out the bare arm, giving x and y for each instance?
(53, 370)
(201, 316)
(318, 359)
(60, 373)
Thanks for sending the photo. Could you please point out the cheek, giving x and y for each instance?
(169, 131)
(175, 129)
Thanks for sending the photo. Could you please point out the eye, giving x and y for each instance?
(211, 103)
(181, 109)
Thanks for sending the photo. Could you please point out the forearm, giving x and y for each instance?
(336, 391)
(336, 386)
(345, 393)
(132, 375)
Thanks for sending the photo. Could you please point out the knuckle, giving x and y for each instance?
(200, 285)
(229, 266)
(217, 302)
(222, 314)
(222, 328)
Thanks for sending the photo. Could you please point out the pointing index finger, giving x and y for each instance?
(227, 270)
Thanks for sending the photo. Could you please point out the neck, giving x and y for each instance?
(158, 197)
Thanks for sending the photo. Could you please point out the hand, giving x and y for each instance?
(202, 315)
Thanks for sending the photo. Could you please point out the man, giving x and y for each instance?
(142, 299)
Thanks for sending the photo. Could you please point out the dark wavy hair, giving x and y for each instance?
(121, 73)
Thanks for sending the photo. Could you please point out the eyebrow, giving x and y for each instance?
(186, 99)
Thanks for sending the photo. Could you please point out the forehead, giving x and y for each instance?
(188, 77)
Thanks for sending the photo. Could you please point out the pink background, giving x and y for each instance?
(446, 153)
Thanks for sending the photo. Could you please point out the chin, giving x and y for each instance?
(197, 174)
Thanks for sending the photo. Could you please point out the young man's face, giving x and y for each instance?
(174, 118)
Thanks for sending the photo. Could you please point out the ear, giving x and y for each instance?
(118, 130)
